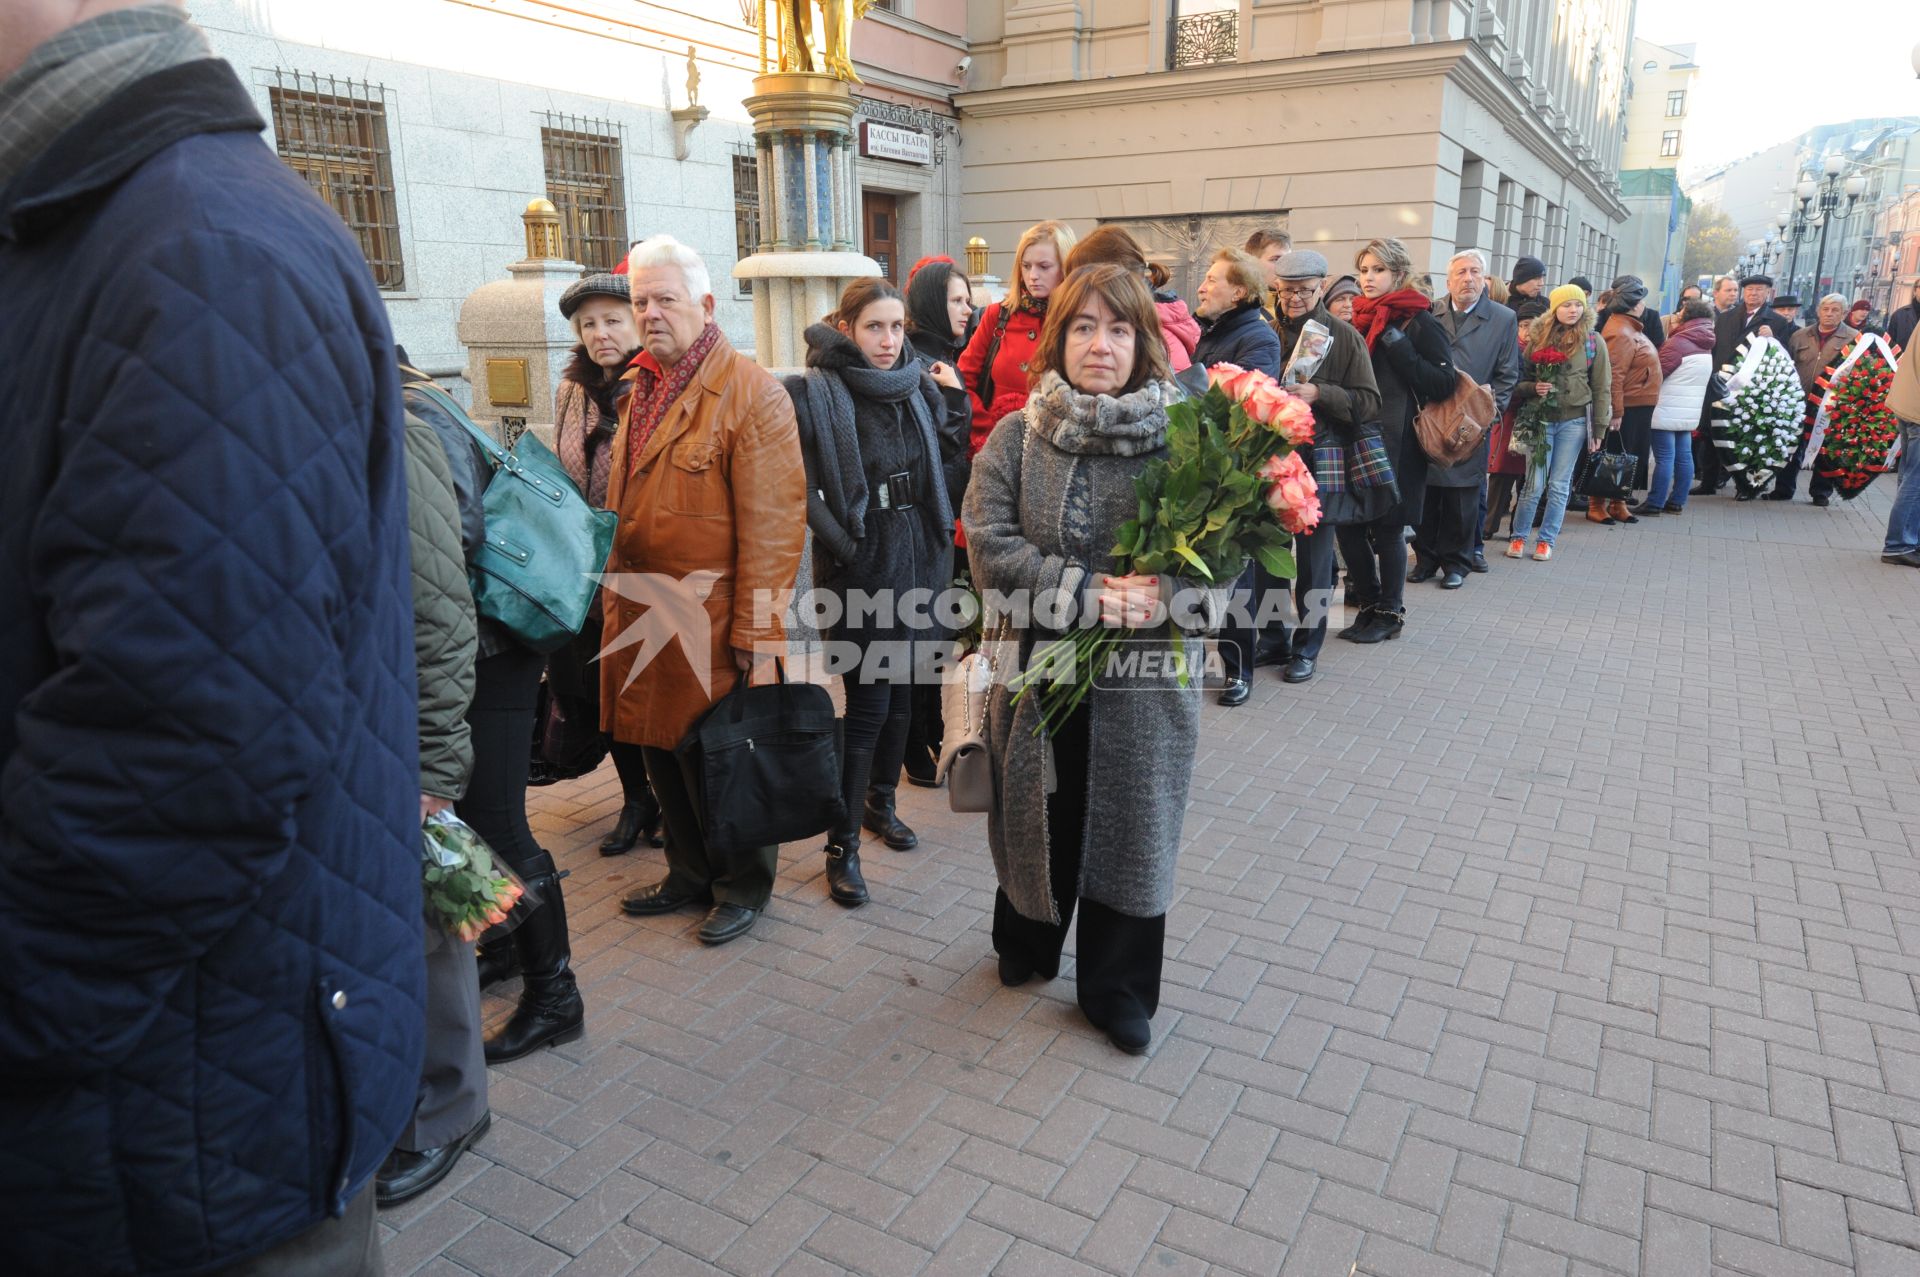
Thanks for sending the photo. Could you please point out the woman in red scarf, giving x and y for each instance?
(1412, 362)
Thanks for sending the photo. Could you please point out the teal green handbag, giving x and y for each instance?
(540, 568)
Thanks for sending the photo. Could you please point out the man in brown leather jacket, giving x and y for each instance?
(712, 497)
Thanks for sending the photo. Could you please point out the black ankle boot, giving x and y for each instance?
(640, 818)
(882, 820)
(1360, 620)
(497, 961)
(550, 1010)
(845, 883)
(1383, 623)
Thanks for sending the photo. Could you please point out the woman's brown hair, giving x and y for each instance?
(1547, 330)
(1124, 293)
(1112, 244)
(859, 295)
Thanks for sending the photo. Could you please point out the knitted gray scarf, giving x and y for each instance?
(1094, 425)
(836, 372)
(81, 68)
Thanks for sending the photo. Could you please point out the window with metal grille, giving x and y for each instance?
(586, 186)
(746, 211)
(1202, 32)
(333, 133)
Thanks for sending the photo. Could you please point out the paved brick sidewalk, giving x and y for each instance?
(1574, 933)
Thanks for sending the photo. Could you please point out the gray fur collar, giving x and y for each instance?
(1100, 425)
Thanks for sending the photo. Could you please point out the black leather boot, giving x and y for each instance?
(881, 819)
(1360, 619)
(845, 883)
(497, 961)
(640, 818)
(550, 1010)
(1383, 623)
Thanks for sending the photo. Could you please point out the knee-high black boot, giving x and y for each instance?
(498, 961)
(550, 1010)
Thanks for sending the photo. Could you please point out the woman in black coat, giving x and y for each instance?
(1413, 364)
(940, 312)
(1233, 328)
(880, 509)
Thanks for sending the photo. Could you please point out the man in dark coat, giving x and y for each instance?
(1345, 397)
(1527, 292)
(210, 898)
(1901, 323)
(1730, 329)
(1485, 338)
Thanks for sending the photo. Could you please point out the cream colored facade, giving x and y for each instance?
(1493, 125)
(1661, 81)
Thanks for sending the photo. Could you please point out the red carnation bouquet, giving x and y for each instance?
(1860, 429)
(1530, 426)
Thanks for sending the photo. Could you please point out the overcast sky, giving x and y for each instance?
(1757, 58)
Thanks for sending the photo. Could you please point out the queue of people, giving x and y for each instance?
(245, 667)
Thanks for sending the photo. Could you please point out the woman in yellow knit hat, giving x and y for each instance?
(1580, 407)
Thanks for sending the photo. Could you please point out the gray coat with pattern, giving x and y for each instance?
(1050, 489)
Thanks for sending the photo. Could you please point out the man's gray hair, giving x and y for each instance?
(1465, 253)
(665, 250)
(1833, 297)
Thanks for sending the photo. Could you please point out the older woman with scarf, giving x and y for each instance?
(1087, 814)
(879, 505)
(586, 417)
(1413, 366)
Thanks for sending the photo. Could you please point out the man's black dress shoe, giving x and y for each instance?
(1235, 692)
(727, 922)
(1423, 572)
(1453, 580)
(658, 898)
(1298, 670)
(1270, 656)
(406, 1174)
(1478, 562)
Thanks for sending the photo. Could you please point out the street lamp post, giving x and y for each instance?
(1795, 225)
(1830, 206)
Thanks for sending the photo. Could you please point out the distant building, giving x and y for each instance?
(1659, 99)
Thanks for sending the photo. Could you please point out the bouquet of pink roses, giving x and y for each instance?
(1231, 489)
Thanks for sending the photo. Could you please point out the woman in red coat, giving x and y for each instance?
(994, 364)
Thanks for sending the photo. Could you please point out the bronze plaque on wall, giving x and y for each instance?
(507, 383)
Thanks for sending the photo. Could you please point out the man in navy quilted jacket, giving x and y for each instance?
(210, 958)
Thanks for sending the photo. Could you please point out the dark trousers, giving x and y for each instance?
(1243, 640)
(1707, 473)
(1119, 955)
(1480, 518)
(1445, 536)
(344, 1247)
(1376, 558)
(1636, 436)
(505, 687)
(453, 1076)
(873, 743)
(745, 880)
(1503, 494)
(1788, 481)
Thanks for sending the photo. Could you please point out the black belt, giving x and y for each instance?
(895, 492)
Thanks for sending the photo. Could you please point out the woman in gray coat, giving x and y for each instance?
(1049, 491)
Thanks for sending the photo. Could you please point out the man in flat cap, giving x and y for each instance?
(1731, 328)
(1345, 397)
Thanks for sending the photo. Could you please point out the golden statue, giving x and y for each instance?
(798, 51)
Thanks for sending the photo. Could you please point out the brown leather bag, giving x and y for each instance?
(1450, 429)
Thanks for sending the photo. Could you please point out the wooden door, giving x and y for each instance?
(879, 218)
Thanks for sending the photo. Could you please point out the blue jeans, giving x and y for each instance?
(1566, 440)
(1903, 524)
(1672, 468)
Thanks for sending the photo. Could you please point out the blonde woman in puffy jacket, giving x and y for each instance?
(1686, 363)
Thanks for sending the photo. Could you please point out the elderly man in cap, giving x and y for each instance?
(1526, 293)
(1788, 308)
(1345, 397)
(1814, 348)
(1748, 315)
(1485, 337)
(712, 497)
